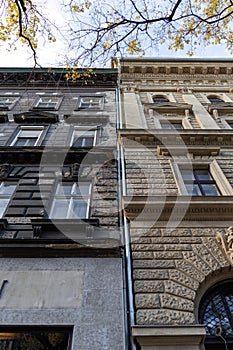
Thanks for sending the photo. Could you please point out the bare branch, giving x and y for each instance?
(21, 34)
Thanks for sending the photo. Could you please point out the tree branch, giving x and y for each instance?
(21, 34)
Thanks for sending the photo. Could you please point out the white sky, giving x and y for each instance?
(52, 54)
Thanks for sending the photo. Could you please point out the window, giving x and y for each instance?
(48, 102)
(230, 124)
(90, 102)
(199, 182)
(31, 339)
(71, 200)
(172, 125)
(215, 99)
(160, 99)
(28, 136)
(6, 191)
(84, 137)
(7, 102)
(216, 313)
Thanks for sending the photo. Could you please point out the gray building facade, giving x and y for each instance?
(60, 245)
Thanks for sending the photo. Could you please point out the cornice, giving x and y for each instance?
(176, 68)
(168, 139)
(181, 208)
(54, 155)
(29, 77)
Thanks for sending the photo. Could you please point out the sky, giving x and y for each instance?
(52, 54)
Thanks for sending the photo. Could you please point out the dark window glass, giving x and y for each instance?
(84, 141)
(34, 340)
(160, 99)
(216, 313)
(23, 141)
(214, 99)
(199, 182)
(171, 125)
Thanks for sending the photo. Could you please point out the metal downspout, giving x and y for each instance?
(127, 273)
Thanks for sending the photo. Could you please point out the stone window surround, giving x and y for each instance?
(55, 105)
(184, 121)
(86, 128)
(214, 168)
(167, 95)
(222, 96)
(97, 107)
(13, 97)
(40, 136)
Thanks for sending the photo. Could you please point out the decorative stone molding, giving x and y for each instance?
(185, 90)
(74, 170)
(225, 238)
(5, 170)
(168, 138)
(180, 207)
(184, 337)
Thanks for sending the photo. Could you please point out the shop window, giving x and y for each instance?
(35, 339)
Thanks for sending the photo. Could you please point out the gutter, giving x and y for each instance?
(124, 226)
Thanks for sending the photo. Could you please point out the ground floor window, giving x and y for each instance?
(216, 313)
(28, 338)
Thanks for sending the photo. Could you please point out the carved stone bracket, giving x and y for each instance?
(74, 170)
(226, 241)
(5, 170)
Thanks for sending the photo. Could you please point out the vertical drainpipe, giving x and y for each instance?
(124, 226)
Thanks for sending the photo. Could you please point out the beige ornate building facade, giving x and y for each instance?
(176, 143)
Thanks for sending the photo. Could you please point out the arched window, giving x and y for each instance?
(215, 99)
(216, 313)
(160, 99)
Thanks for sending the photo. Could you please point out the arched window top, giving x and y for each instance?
(216, 310)
(160, 99)
(214, 99)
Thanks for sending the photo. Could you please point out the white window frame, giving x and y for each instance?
(10, 101)
(70, 198)
(45, 105)
(84, 130)
(97, 106)
(40, 136)
(5, 197)
(215, 170)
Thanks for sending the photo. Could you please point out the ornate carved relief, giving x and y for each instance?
(225, 238)
(5, 170)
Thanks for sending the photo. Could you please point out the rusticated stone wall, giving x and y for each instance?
(168, 268)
